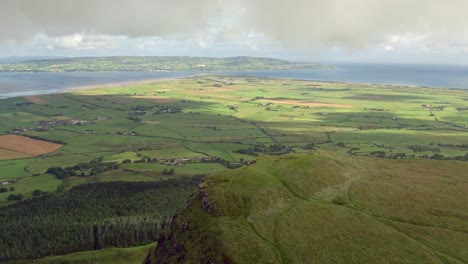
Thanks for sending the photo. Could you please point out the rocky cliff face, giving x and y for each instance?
(191, 237)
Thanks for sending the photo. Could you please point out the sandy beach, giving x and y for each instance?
(121, 84)
(34, 84)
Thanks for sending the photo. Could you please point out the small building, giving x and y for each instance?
(4, 184)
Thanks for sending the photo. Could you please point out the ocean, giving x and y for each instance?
(439, 76)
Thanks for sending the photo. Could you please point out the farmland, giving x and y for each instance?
(26, 145)
(56, 149)
(207, 124)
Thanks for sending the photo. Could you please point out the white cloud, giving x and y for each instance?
(389, 48)
(82, 41)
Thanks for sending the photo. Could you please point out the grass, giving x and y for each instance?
(327, 208)
(41, 165)
(133, 255)
(26, 186)
(14, 169)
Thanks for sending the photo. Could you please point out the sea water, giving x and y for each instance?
(439, 76)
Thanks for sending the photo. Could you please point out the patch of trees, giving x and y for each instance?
(21, 104)
(15, 197)
(383, 154)
(141, 108)
(90, 217)
(438, 156)
(168, 172)
(274, 150)
(434, 108)
(257, 98)
(417, 148)
(248, 151)
(309, 146)
(82, 169)
(56, 141)
(38, 192)
(134, 118)
(461, 146)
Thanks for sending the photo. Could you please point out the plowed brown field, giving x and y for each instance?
(6, 154)
(27, 145)
(35, 100)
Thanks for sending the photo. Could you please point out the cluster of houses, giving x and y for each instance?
(18, 130)
(123, 133)
(49, 125)
(164, 110)
(229, 81)
(182, 161)
(170, 109)
(142, 112)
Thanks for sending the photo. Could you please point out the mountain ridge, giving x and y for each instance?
(324, 208)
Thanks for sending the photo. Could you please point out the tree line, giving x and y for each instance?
(91, 217)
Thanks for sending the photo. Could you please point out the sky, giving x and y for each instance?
(380, 31)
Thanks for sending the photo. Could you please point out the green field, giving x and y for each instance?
(234, 119)
(325, 208)
(26, 186)
(132, 255)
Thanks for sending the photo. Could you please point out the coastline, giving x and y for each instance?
(437, 76)
(122, 84)
(91, 87)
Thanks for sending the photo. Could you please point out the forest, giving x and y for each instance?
(90, 217)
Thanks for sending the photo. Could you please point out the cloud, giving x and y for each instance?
(21, 20)
(81, 41)
(356, 23)
(303, 24)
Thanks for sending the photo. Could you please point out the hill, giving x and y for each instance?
(131, 255)
(324, 208)
(144, 63)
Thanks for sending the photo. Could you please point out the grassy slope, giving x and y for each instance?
(326, 208)
(132, 255)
